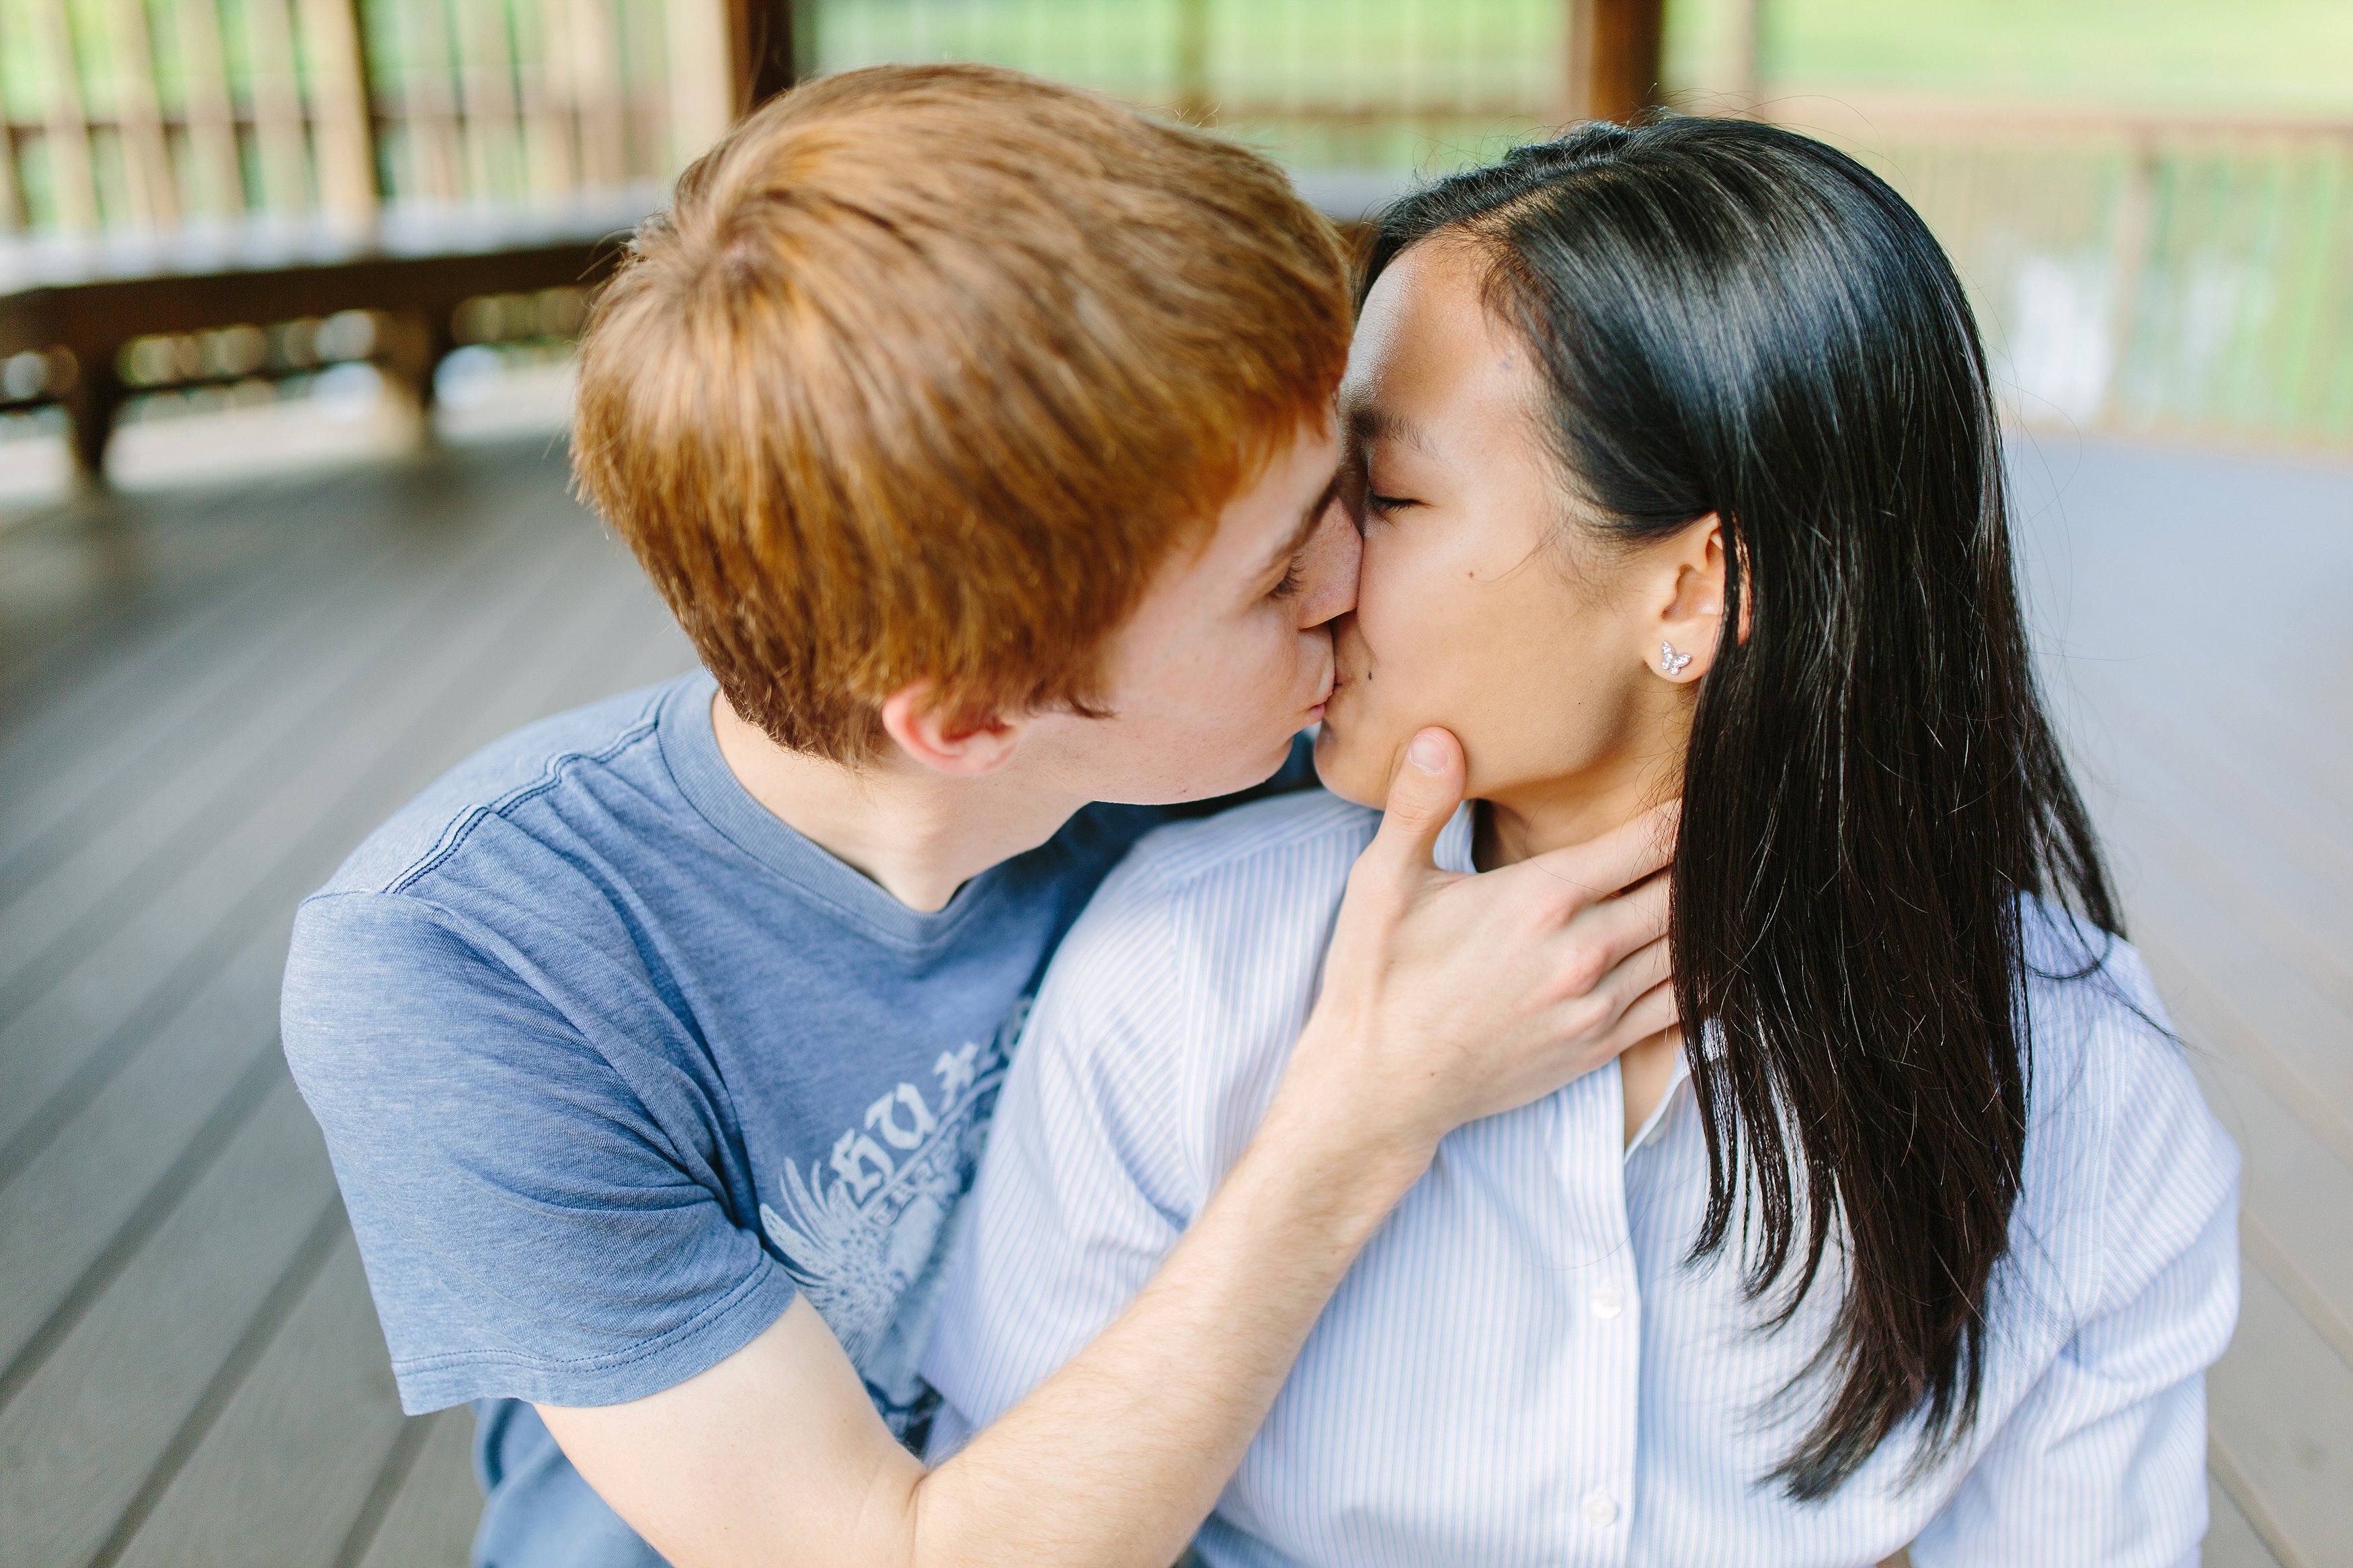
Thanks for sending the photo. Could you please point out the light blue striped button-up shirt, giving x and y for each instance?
(1521, 1369)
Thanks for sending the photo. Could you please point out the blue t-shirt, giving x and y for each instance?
(611, 1063)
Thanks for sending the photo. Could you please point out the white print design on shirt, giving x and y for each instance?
(866, 1246)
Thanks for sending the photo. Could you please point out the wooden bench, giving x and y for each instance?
(396, 156)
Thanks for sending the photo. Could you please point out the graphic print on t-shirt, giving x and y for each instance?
(862, 1239)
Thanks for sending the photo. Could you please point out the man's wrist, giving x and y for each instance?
(1346, 1149)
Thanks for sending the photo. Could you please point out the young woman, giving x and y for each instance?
(1677, 473)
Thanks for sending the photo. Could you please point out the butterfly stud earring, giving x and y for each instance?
(1671, 663)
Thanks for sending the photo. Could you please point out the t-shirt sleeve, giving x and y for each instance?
(1084, 1188)
(2104, 1460)
(531, 1228)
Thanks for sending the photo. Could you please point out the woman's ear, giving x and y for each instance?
(1682, 639)
(911, 716)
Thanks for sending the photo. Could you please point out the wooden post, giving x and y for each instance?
(91, 399)
(486, 98)
(761, 41)
(549, 97)
(1614, 49)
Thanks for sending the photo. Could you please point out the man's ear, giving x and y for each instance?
(912, 717)
(1681, 643)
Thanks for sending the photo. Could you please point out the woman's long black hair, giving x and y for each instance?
(1730, 317)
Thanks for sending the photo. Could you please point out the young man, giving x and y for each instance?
(977, 431)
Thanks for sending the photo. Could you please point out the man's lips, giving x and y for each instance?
(1315, 710)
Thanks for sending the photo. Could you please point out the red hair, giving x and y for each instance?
(926, 371)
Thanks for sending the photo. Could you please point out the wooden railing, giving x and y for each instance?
(1356, 84)
(2154, 274)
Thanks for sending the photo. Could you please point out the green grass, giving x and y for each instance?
(2252, 58)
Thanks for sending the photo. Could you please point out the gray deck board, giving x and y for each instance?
(2248, 860)
(336, 685)
(2211, 716)
(2245, 761)
(80, 1439)
(60, 781)
(206, 699)
(114, 1170)
(431, 1521)
(274, 682)
(2230, 1541)
(2282, 1407)
(130, 601)
(2297, 1224)
(162, 1303)
(281, 1476)
(294, 831)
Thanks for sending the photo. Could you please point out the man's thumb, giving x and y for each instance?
(1423, 797)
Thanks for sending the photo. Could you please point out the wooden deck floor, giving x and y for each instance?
(205, 700)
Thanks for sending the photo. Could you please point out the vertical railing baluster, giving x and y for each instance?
(544, 78)
(596, 89)
(341, 129)
(12, 219)
(1192, 41)
(65, 128)
(208, 110)
(701, 78)
(486, 98)
(284, 159)
(138, 118)
(428, 101)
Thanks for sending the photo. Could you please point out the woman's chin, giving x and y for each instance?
(1348, 770)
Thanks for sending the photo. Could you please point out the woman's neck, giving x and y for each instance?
(1516, 824)
(1513, 825)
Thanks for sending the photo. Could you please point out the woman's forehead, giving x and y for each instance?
(1430, 356)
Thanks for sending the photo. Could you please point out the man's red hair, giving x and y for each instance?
(927, 370)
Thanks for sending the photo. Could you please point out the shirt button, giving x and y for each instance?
(1608, 1303)
(1600, 1510)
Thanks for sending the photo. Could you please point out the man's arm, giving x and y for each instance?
(1446, 998)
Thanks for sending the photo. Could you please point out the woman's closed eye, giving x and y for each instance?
(1384, 505)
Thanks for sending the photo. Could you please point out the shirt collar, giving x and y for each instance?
(1453, 852)
(1677, 1084)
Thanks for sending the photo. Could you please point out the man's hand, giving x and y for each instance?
(1447, 997)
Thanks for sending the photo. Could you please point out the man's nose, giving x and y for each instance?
(1328, 567)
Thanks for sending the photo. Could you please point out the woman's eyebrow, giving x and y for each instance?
(1369, 422)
